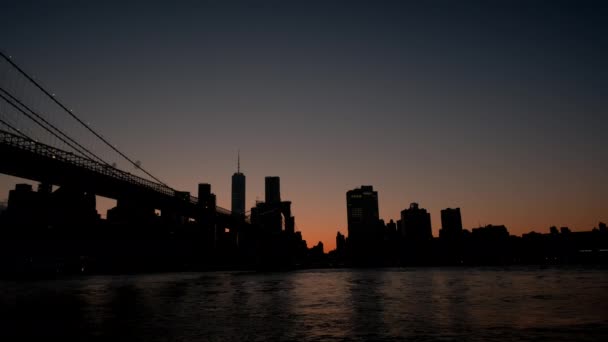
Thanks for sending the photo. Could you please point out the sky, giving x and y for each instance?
(497, 107)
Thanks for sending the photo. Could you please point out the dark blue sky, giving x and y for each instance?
(499, 107)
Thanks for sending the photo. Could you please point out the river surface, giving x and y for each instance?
(414, 304)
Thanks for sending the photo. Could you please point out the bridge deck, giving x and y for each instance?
(25, 158)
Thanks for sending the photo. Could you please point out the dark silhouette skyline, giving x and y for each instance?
(412, 170)
(410, 242)
(154, 227)
(49, 232)
(497, 107)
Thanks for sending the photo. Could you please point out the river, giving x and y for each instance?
(414, 304)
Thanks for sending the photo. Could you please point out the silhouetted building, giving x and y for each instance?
(362, 212)
(207, 203)
(267, 217)
(289, 220)
(273, 189)
(23, 205)
(400, 231)
(491, 245)
(132, 211)
(21, 197)
(391, 228)
(451, 224)
(238, 191)
(279, 245)
(206, 199)
(72, 206)
(416, 224)
(318, 249)
(490, 233)
(365, 229)
(273, 215)
(340, 242)
(67, 206)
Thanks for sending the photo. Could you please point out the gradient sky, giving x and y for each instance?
(497, 107)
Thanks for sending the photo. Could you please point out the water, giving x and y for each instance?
(472, 304)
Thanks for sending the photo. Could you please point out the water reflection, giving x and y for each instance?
(360, 305)
(272, 297)
(366, 303)
(321, 305)
(38, 311)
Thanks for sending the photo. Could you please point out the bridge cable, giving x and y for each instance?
(43, 126)
(15, 129)
(86, 151)
(79, 120)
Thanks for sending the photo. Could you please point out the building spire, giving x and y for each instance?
(238, 161)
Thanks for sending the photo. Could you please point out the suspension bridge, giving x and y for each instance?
(41, 139)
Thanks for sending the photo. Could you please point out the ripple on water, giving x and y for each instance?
(330, 305)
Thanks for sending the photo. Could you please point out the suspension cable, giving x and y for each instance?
(14, 129)
(41, 125)
(80, 149)
(79, 120)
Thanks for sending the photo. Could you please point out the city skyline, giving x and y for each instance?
(435, 229)
(448, 107)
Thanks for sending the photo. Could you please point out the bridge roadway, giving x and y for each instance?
(25, 158)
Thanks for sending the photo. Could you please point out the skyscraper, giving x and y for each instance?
(451, 223)
(362, 212)
(416, 224)
(365, 228)
(238, 190)
(273, 215)
(273, 190)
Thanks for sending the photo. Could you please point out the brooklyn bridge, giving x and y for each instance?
(42, 140)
